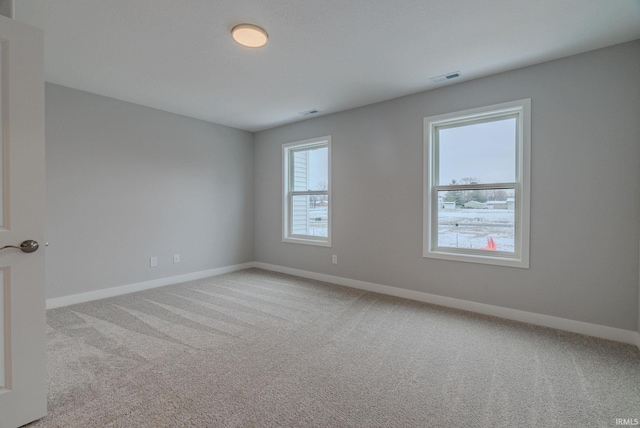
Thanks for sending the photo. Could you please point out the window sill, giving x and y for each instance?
(306, 241)
(478, 258)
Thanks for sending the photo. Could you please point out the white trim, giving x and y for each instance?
(291, 239)
(520, 109)
(595, 330)
(304, 239)
(58, 302)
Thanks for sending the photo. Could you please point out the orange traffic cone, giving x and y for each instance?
(491, 245)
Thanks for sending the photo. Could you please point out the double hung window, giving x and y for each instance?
(307, 192)
(476, 198)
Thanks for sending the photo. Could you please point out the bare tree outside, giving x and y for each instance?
(322, 185)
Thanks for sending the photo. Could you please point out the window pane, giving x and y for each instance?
(309, 215)
(482, 152)
(477, 219)
(310, 169)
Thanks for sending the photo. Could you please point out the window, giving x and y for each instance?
(476, 192)
(307, 192)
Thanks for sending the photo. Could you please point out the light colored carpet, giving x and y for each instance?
(260, 349)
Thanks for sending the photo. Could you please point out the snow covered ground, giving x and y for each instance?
(471, 228)
(318, 221)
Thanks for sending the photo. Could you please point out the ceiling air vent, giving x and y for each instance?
(444, 77)
(310, 112)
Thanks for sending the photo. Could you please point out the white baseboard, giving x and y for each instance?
(601, 331)
(140, 286)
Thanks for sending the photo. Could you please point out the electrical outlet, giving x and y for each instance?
(334, 259)
(176, 258)
(153, 261)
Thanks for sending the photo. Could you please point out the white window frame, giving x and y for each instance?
(288, 193)
(521, 109)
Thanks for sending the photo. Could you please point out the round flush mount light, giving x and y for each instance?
(249, 35)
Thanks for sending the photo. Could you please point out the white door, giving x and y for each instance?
(23, 388)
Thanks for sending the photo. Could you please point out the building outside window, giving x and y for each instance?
(307, 192)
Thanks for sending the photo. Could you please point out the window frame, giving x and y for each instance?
(521, 110)
(287, 196)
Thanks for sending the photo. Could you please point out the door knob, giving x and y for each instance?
(28, 246)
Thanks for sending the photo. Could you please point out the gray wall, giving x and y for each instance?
(126, 182)
(585, 198)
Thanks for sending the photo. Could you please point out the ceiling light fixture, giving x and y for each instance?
(249, 35)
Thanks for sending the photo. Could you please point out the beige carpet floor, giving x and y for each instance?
(260, 349)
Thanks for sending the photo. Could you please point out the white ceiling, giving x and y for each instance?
(329, 55)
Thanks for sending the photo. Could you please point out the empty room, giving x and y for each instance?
(336, 213)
